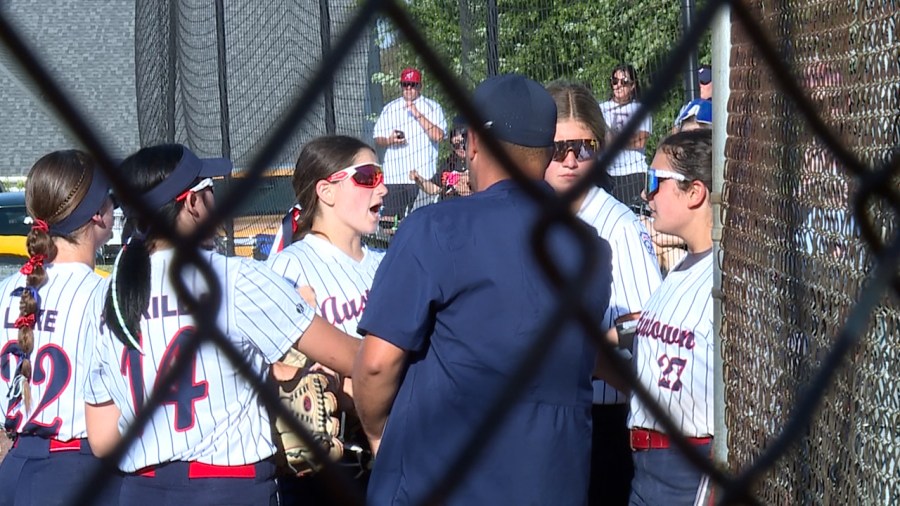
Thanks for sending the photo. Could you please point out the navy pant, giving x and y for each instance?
(611, 461)
(32, 474)
(171, 486)
(665, 476)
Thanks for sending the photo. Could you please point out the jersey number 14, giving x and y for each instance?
(183, 393)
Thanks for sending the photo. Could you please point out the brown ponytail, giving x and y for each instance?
(55, 185)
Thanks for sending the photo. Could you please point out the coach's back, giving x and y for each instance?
(476, 302)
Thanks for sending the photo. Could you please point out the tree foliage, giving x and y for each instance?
(579, 40)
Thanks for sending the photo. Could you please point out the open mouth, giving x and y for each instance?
(376, 209)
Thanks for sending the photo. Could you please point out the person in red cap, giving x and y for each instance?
(410, 128)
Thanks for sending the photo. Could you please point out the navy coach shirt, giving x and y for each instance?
(461, 292)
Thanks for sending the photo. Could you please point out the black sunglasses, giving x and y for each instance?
(624, 81)
(584, 149)
(409, 85)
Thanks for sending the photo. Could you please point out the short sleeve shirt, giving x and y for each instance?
(673, 351)
(461, 291)
(64, 334)
(340, 282)
(635, 270)
(419, 152)
(260, 314)
(628, 161)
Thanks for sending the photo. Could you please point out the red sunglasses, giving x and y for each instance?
(366, 175)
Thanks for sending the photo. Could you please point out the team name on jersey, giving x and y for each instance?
(163, 306)
(349, 310)
(666, 333)
(45, 320)
(159, 307)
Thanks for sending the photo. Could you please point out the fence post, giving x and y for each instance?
(493, 50)
(328, 92)
(691, 86)
(224, 115)
(171, 70)
(721, 57)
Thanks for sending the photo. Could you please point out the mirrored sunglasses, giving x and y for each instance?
(623, 81)
(365, 175)
(584, 149)
(656, 176)
(202, 185)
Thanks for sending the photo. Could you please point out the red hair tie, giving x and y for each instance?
(295, 215)
(34, 261)
(25, 321)
(40, 225)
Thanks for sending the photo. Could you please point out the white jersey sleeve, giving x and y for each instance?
(340, 282)
(64, 334)
(260, 314)
(673, 351)
(635, 273)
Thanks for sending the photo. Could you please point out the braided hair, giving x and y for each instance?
(56, 184)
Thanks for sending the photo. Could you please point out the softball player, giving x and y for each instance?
(210, 440)
(337, 178)
(580, 131)
(43, 359)
(673, 346)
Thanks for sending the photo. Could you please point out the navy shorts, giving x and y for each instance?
(180, 483)
(43, 471)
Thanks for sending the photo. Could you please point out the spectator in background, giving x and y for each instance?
(452, 180)
(410, 129)
(629, 166)
(704, 77)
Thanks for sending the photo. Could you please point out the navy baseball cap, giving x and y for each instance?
(517, 110)
(189, 169)
(705, 74)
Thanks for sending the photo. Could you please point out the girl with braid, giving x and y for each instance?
(48, 335)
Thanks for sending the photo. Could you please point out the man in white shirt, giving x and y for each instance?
(410, 129)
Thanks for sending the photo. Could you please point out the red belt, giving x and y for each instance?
(200, 470)
(644, 439)
(65, 446)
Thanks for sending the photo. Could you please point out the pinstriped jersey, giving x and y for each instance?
(63, 336)
(673, 351)
(635, 271)
(211, 414)
(341, 283)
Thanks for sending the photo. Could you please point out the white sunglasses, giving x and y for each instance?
(202, 185)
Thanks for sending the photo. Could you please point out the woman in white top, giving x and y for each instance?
(340, 188)
(629, 166)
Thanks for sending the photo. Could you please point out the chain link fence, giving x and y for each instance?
(809, 332)
(796, 263)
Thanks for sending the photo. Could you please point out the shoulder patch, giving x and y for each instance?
(645, 238)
